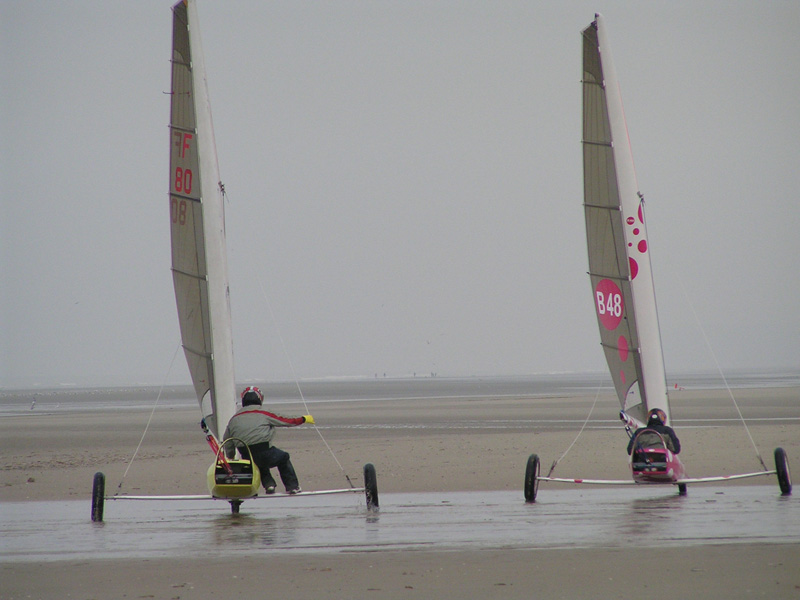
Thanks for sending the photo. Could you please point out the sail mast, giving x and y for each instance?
(619, 257)
(199, 257)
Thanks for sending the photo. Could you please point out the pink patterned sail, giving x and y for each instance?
(619, 252)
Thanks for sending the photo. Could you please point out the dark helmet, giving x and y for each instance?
(252, 395)
(657, 416)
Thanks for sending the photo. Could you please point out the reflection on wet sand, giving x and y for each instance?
(249, 531)
(644, 516)
(652, 516)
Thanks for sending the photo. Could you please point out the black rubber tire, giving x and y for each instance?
(371, 487)
(235, 504)
(782, 468)
(681, 489)
(532, 478)
(98, 497)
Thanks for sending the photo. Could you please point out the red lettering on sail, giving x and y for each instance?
(183, 180)
(182, 142)
(178, 211)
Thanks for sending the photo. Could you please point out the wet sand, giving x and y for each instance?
(445, 444)
(711, 572)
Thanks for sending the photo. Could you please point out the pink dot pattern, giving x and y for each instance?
(606, 289)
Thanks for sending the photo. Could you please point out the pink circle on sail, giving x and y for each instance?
(635, 231)
(643, 246)
(641, 213)
(634, 267)
(609, 304)
(631, 220)
(622, 345)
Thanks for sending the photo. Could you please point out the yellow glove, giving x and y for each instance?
(309, 419)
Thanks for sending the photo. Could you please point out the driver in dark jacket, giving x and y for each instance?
(656, 422)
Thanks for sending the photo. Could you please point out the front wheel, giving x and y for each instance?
(532, 478)
(98, 496)
(782, 468)
(371, 487)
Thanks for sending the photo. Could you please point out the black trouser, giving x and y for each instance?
(266, 457)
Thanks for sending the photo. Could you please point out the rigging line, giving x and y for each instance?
(589, 416)
(294, 376)
(289, 358)
(150, 418)
(719, 368)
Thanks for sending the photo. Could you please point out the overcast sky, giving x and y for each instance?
(405, 185)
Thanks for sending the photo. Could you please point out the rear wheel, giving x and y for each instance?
(782, 468)
(532, 478)
(235, 504)
(371, 487)
(681, 489)
(98, 496)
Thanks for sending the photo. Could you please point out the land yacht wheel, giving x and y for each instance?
(371, 487)
(235, 504)
(532, 478)
(98, 496)
(782, 468)
(681, 489)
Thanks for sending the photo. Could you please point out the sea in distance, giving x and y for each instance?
(71, 399)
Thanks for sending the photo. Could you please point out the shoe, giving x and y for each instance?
(270, 489)
(294, 491)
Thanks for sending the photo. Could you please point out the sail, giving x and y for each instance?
(619, 252)
(199, 261)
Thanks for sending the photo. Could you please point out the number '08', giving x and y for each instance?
(178, 211)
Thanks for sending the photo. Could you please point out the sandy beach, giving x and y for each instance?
(447, 444)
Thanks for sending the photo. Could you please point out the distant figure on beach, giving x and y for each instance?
(656, 422)
(256, 427)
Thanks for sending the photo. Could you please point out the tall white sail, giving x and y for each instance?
(199, 261)
(619, 257)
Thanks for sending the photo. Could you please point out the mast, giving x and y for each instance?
(619, 257)
(199, 257)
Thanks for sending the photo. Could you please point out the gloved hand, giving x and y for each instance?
(309, 419)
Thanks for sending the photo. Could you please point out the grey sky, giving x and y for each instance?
(404, 182)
